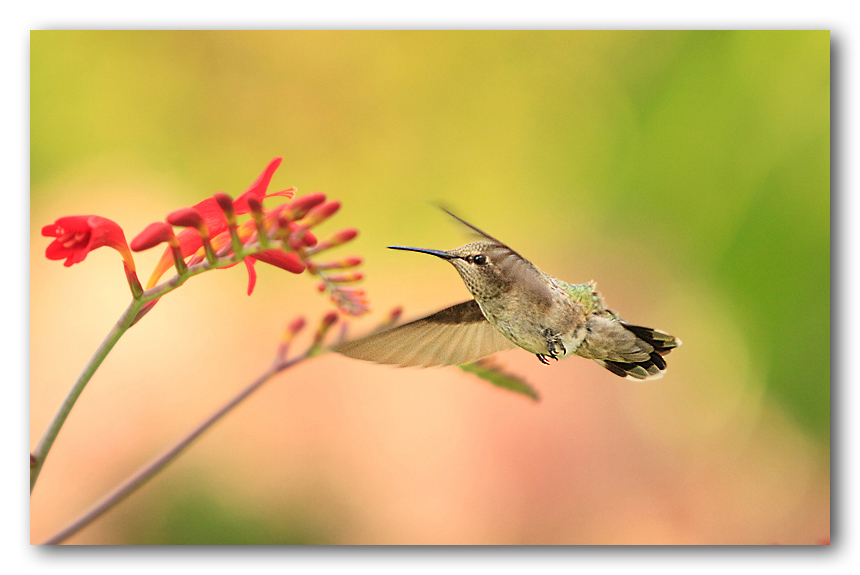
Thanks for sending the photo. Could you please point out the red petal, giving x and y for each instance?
(51, 231)
(285, 260)
(252, 273)
(66, 224)
(258, 188)
(189, 241)
(74, 253)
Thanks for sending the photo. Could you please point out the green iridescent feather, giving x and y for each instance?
(585, 294)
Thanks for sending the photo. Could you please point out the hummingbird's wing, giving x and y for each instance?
(454, 336)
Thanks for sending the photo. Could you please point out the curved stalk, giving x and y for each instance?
(37, 458)
(128, 318)
(146, 473)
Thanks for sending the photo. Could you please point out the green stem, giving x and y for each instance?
(146, 473)
(150, 470)
(38, 457)
(41, 452)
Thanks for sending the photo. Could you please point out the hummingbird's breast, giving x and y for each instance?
(529, 320)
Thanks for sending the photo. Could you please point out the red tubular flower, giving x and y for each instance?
(79, 235)
(216, 222)
(213, 226)
(213, 215)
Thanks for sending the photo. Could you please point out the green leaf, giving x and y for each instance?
(493, 372)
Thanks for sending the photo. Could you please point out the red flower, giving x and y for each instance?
(213, 233)
(216, 222)
(79, 235)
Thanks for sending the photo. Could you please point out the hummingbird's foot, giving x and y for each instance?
(542, 358)
(554, 344)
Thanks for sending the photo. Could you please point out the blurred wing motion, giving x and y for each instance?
(454, 336)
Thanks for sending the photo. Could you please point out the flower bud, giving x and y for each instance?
(188, 218)
(334, 240)
(225, 202)
(300, 206)
(154, 234)
(320, 214)
(346, 278)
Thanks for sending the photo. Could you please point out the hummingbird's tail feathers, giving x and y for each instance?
(661, 341)
(652, 368)
(454, 336)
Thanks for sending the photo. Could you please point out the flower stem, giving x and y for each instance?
(41, 453)
(37, 458)
(155, 466)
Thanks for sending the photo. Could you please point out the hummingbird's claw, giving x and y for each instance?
(553, 344)
(542, 358)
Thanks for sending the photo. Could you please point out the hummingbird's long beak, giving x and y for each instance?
(437, 253)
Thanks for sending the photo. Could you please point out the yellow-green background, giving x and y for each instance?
(686, 172)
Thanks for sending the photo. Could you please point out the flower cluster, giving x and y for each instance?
(212, 237)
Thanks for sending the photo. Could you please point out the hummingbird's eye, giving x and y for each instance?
(479, 260)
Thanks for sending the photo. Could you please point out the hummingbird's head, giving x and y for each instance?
(488, 267)
(482, 266)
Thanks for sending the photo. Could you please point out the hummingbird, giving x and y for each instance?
(515, 304)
